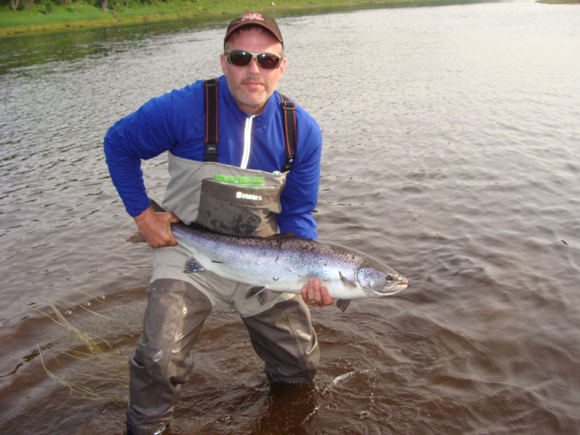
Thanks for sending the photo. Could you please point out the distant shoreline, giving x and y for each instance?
(47, 17)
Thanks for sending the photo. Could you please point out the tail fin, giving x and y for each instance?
(137, 237)
(156, 207)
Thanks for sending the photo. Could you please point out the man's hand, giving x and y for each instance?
(156, 228)
(314, 294)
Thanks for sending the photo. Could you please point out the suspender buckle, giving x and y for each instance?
(211, 153)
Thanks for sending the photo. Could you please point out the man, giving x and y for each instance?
(252, 143)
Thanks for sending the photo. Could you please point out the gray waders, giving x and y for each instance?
(178, 304)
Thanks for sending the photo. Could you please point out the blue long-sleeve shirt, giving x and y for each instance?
(175, 122)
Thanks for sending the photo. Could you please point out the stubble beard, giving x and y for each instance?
(253, 99)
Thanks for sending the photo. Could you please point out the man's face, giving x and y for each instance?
(251, 85)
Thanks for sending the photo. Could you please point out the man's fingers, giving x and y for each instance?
(169, 219)
(312, 284)
(314, 294)
(326, 297)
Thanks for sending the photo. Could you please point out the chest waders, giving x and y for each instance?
(230, 200)
(225, 198)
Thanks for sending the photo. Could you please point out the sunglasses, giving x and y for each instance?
(244, 58)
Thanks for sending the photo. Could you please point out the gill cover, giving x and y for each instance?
(374, 280)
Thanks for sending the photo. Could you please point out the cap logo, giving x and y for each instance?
(252, 16)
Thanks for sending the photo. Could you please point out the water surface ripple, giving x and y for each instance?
(451, 152)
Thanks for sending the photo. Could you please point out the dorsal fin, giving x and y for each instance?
(282, 235)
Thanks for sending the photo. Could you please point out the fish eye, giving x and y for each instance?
(389, 277)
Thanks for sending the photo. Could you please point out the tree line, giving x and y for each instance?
(26, 5)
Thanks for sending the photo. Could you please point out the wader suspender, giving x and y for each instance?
(211, 125)
(290, 134)
(211, 120)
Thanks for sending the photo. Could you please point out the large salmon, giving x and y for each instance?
(284, 263)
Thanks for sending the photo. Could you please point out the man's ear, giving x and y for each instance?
(223, 62)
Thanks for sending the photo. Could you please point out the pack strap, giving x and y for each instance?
(211, 120)
(290, 132)
(211, 125)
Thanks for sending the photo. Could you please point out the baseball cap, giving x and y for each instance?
(255, 19)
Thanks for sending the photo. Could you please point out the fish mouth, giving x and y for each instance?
(402, 285)
(393, 289)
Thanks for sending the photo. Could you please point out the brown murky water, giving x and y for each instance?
(451, 152)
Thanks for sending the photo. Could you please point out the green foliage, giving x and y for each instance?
(48, 6)
(34, 16)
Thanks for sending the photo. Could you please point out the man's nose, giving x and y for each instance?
(254, 65)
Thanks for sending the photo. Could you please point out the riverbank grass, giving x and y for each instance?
(49, 17)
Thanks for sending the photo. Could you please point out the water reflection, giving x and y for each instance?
(32, 50)
(18, 52)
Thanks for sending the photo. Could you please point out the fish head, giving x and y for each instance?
(380, 281)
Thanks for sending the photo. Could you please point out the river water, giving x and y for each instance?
(451, 152)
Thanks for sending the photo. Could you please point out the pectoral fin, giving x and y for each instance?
(347, 282)
(262, 293)
(192, 266)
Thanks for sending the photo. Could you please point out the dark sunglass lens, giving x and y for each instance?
(268, 61)
(240, 58)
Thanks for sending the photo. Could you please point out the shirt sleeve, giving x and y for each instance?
(300, 195)
(142, 135)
